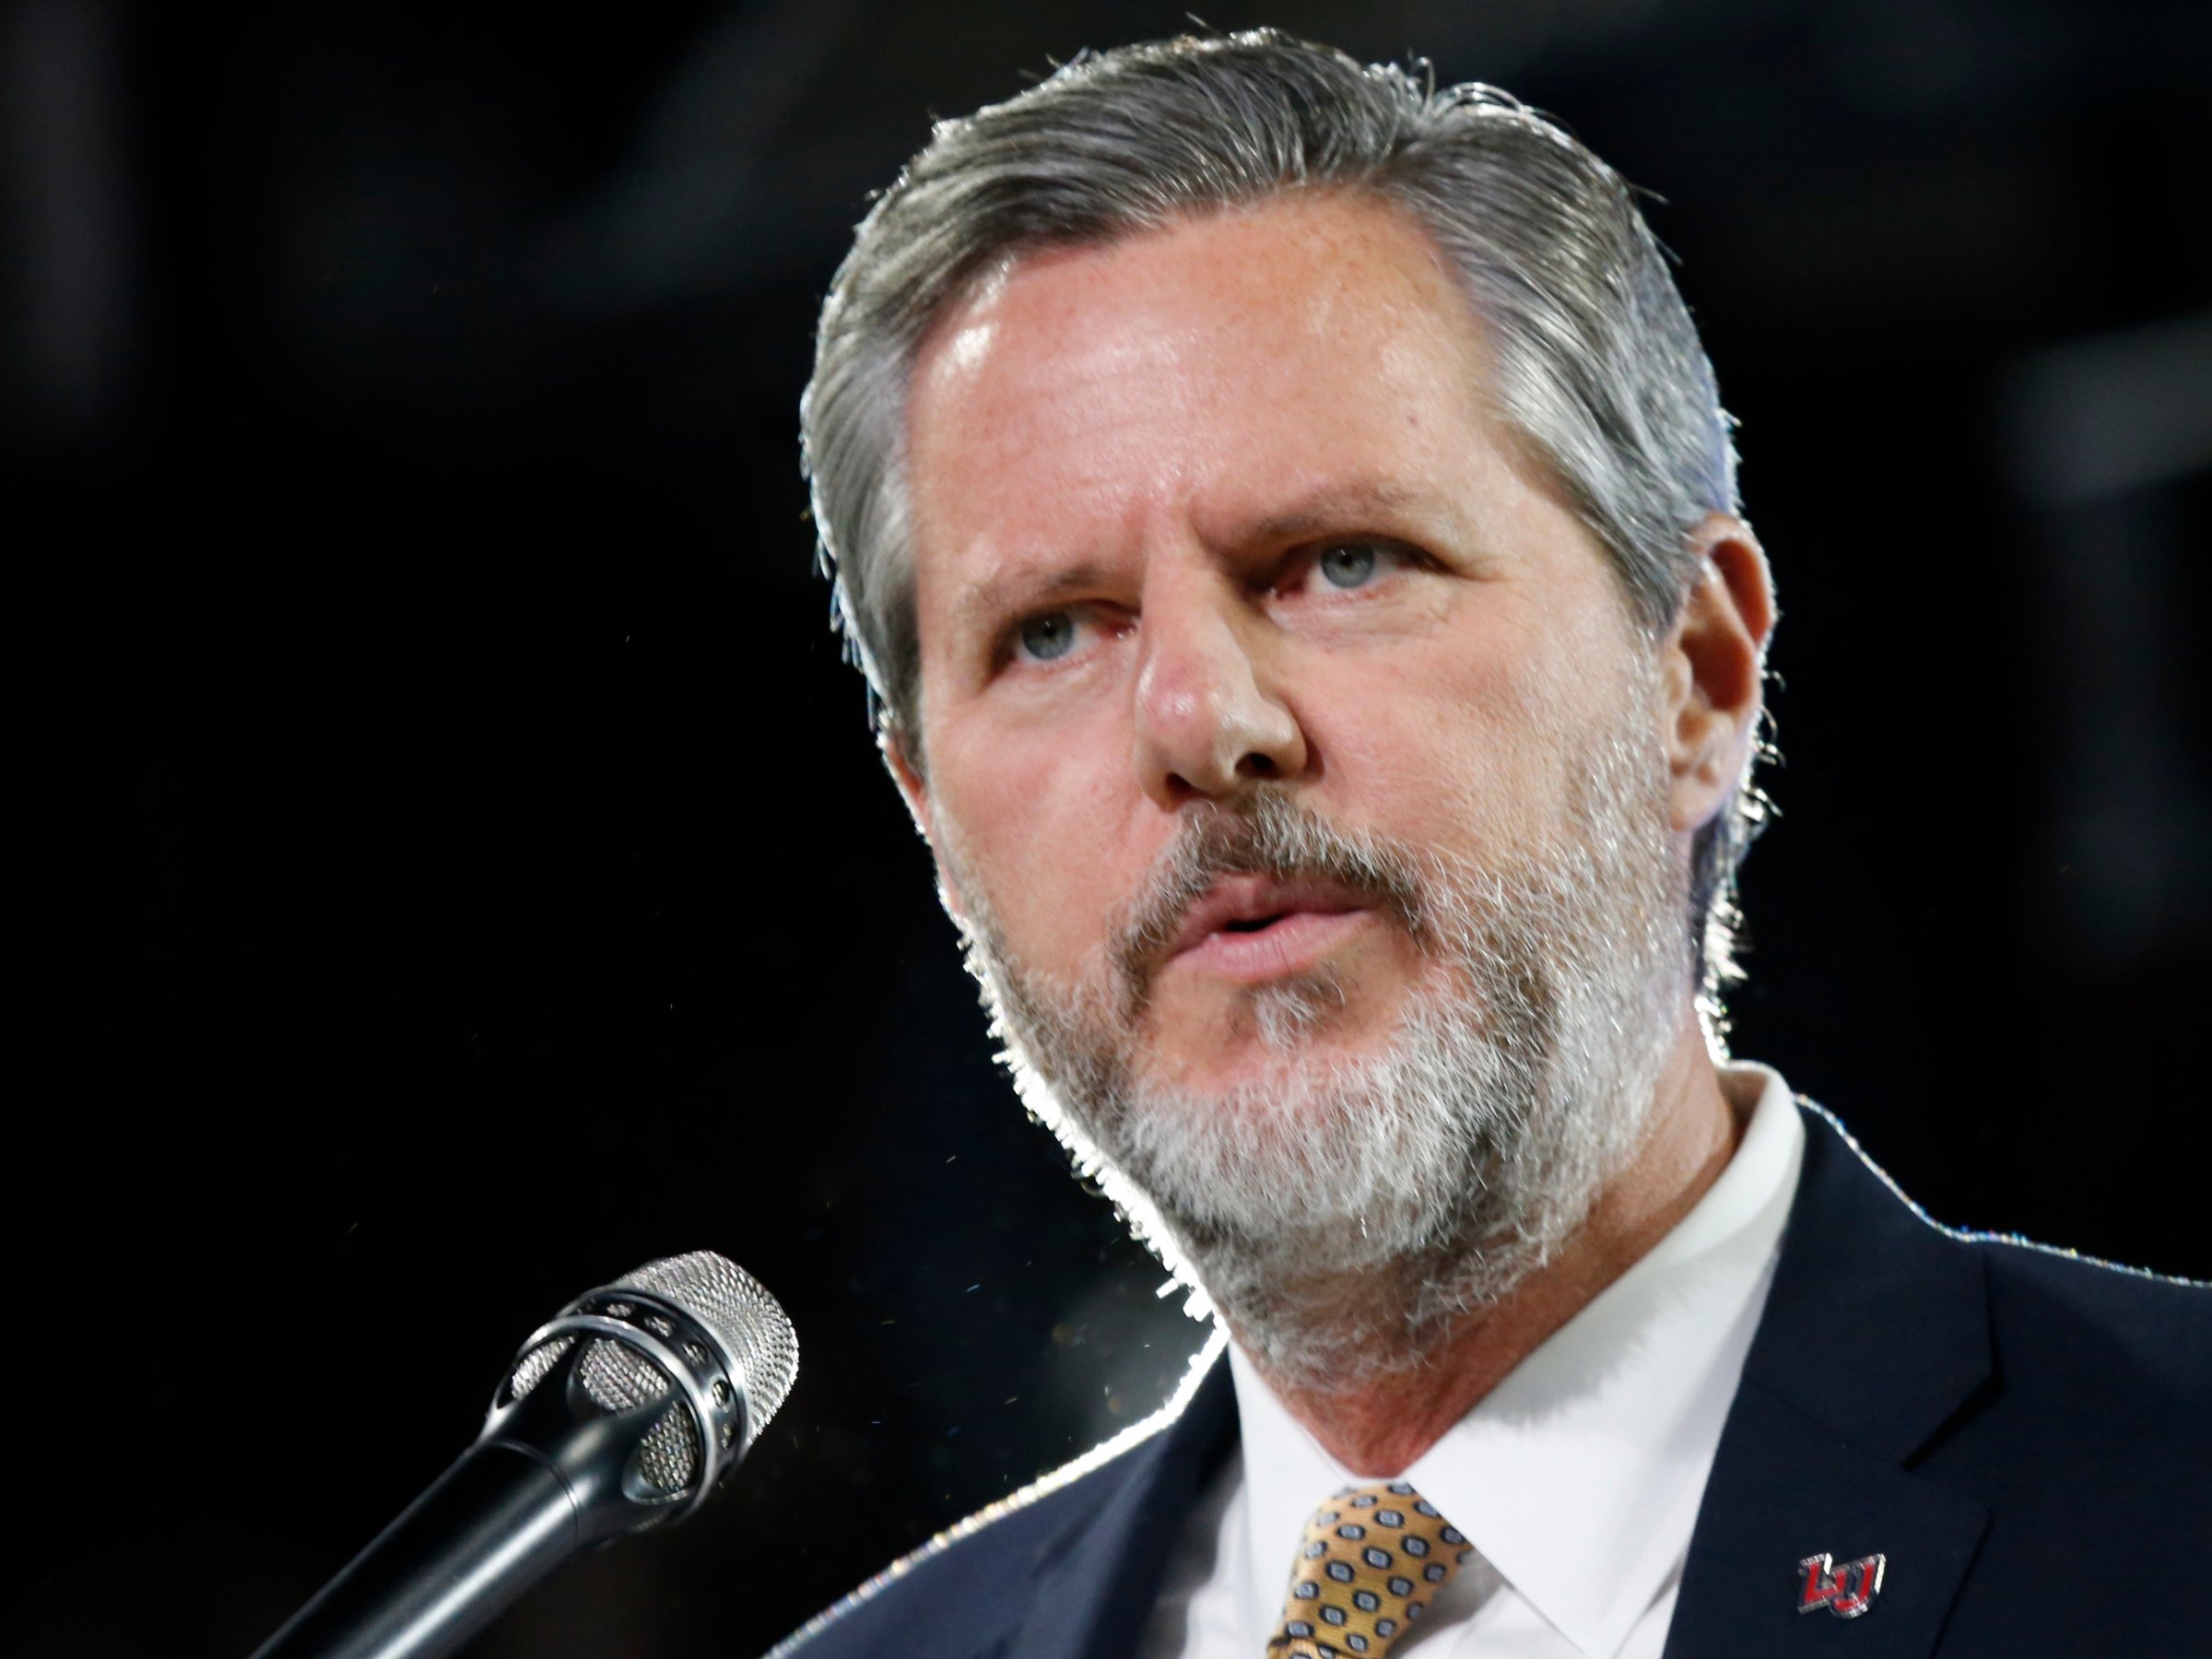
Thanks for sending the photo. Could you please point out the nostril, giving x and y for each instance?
(1256, 765)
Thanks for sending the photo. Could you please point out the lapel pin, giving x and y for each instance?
(1846, 1590)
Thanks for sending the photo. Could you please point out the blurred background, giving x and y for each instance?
(479, 880)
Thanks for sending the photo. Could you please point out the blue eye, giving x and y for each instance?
(1348, 564)
(1049, 636)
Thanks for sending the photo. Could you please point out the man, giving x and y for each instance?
(1286, 517)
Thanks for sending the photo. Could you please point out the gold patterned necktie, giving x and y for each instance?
(1373, 1558)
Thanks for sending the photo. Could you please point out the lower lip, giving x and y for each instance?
(1294, 945)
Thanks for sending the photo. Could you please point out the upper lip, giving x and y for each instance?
(1235, 898)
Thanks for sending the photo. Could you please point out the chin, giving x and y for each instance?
(1300, 1030)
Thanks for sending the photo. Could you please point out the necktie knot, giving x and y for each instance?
(1373, 1558)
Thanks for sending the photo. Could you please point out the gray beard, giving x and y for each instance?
(1344, 1215)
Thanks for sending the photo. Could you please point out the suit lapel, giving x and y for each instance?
(1875, 1340)
(1096, 1581)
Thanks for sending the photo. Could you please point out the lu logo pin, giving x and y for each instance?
(1846, 1590)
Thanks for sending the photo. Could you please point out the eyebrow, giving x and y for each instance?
(983, 601)
(1331, 506)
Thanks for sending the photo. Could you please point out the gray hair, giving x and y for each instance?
(1599, 370)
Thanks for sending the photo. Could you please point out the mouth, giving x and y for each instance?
(1250, 929)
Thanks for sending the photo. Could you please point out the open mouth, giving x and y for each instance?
(1251, 929)
(1253, 924)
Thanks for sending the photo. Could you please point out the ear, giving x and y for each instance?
(1713, 663)
(913, 788)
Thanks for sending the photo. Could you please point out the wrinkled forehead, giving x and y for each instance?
(1211, 366)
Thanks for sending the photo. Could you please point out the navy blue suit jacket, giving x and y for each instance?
(2025, 1436)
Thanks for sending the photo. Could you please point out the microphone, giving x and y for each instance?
(619, 1416)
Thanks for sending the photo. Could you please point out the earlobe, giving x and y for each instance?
(1716, 669)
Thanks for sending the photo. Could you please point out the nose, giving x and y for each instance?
(1207, 721)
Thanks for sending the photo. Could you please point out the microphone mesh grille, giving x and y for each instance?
(619, 1377)
(731, 1302)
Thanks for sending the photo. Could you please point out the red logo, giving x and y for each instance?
(1846, 1590)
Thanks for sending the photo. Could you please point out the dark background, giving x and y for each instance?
(477, 880)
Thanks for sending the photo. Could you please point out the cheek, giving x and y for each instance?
(1458, 747)
(1457, 776)
(1040, 820)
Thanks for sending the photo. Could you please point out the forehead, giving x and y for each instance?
(1216, 369)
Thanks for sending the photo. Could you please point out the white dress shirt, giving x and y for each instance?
(1576, 1479)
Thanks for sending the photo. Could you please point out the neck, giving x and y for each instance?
(1378, 1429)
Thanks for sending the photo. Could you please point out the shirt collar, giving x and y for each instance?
(1577, 1477)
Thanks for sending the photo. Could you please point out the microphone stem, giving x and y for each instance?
(492, 1526)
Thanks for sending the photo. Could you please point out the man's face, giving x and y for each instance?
(1217, 512)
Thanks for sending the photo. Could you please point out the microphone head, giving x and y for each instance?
(748, 1320)
(695, 1330)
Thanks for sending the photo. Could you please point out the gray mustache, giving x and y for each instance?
(1266, 833)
